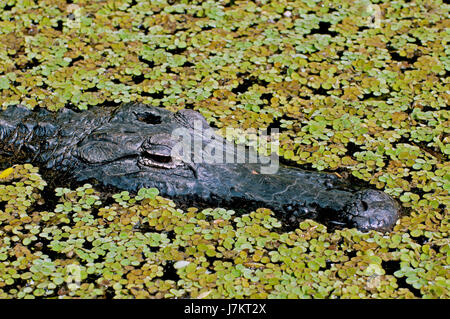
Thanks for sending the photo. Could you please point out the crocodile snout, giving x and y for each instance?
(373, 209)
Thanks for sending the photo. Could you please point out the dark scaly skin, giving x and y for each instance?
(129, 147)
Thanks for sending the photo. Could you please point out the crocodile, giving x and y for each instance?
(133, 145)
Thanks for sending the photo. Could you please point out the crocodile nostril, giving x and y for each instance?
(365, 205)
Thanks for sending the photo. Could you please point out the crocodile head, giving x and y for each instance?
(132, 146)
(138, 142)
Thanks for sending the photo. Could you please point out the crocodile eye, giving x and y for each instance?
(164, 159)
(148, 118)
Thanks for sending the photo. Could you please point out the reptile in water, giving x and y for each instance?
(133, 146)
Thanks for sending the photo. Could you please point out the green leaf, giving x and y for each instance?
(4, 83)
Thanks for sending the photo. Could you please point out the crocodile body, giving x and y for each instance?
(132, 146)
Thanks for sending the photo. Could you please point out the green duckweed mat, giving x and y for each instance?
(358, 88)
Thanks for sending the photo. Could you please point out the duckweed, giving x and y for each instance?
(358, 88)
(151, 249)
